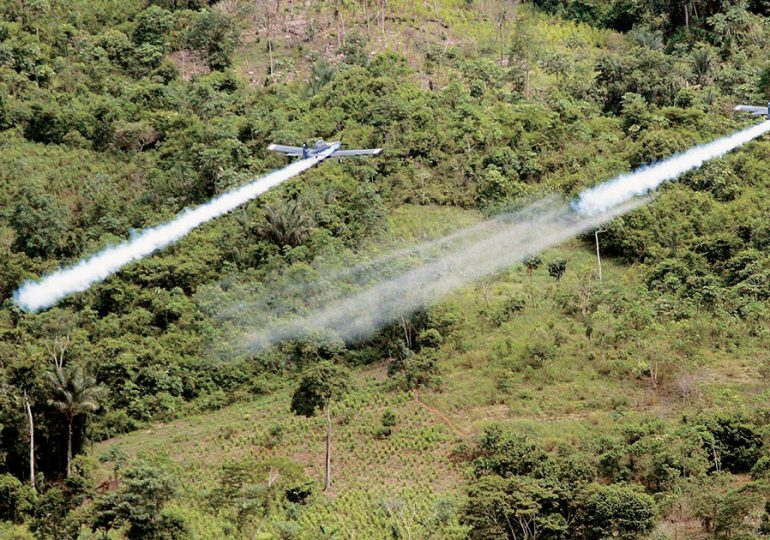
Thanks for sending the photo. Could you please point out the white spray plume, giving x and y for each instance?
(457, 260)
(506, 241)
(336, 272)
(645, 179)
(36, 295)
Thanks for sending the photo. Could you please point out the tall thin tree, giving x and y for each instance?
(31, 425)
(73, 393)
(320, 385)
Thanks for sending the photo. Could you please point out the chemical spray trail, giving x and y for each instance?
(462, 258)
(644, 180)
(36, 295)
(360, 314)
(330, 273)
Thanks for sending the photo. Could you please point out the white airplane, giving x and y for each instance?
(753, 109)
(322, 150)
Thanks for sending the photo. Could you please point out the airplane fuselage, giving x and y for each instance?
(321, 149)
(755, 110)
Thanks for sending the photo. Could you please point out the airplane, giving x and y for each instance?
(322, 150)
(752, 109)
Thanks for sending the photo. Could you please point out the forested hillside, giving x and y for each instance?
(545, 401)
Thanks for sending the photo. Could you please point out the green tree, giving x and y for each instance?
(286, 223)
(73, 393)
(320, 385)
(557, 268)
(215, 35)
(40, 221)
(532, 263)
(16, 499)
(418, 370)
(618, 511)
(519, 507)
(139, 503)
(257, 488)
(152, 27)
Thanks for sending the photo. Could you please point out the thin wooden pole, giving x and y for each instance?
(598, 255)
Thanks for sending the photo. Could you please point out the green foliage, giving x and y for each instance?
(510, 454)
(417, 370)
(761, 469)
(387, 423)
(139, 503)
(215, 36)
(521, 491)
(556, 269)
(736, 439)
(618, 511)
(320, 384)
(16, 499)
(518, 507)
(110, 123)
(286, 224)
(255, 489)
(11, 531)
(532, 263)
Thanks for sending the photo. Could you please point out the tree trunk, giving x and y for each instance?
(31, 442)
(383, 8)
(526, 80)
(22, 12)
(69, 445)
(328, 476)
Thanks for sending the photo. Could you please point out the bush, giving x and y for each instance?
(618, 511)
(761, 469)
(286, 530)
(506, 309)
(215, 35)
(144, 491)
(152, 27)
(430, 338)
(9, 531)
(16, 499)
(737, 440)
(388, 421)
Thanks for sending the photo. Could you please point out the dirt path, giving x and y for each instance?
(444, 418)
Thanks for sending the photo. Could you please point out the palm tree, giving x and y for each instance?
(286, 224)
(73, 393)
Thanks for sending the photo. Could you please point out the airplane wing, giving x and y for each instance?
(363, 152)
(288, 150)
(751, 109)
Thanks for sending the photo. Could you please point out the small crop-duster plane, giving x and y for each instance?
(753, 109)
(322, 150)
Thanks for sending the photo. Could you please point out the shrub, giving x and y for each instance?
(9, 531)
(286, 530)
(216, 36)
(506, 309)
(16, 499)
(761, 468)
(388, 420)
(618, 511)
(430, 338)
(144, 491)
(737, 441)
